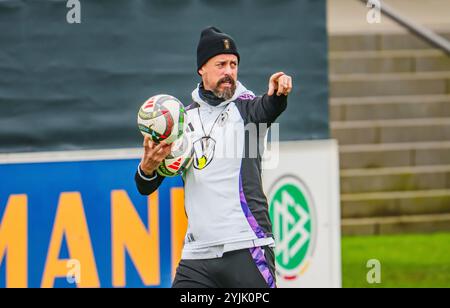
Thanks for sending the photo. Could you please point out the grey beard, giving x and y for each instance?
(225, 94)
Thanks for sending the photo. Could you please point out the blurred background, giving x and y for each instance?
(390, 112)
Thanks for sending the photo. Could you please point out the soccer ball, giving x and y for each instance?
(180, 158)
(162, 118)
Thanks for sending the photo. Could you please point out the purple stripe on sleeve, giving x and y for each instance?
(248, 214)
(247, 95)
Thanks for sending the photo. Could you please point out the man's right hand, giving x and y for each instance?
(154, 154)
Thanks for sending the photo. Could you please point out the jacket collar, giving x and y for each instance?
(241, 91)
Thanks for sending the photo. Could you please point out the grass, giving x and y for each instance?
(407, 261)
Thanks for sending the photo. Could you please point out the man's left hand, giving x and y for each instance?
(281, 83)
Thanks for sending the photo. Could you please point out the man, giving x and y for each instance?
(229, 242)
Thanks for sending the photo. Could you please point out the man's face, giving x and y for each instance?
(219, 75)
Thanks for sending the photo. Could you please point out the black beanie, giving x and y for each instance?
(214, 42)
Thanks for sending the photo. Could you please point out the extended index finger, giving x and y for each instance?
(276, 76)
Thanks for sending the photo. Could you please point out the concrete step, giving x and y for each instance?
(394, 155)
(397, 203)
(380, 41)
(396, 225)
(392, 61)
(391, 131)
(363, 85)
(389, 107)
(395, 179)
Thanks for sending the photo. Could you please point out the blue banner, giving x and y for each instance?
(83, 223)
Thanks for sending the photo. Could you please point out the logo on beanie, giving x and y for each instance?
(226, 44)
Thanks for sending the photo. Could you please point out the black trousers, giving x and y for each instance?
(246, 268)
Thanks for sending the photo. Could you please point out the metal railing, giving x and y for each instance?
(421, 31)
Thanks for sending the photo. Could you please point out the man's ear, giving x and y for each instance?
(200, 71)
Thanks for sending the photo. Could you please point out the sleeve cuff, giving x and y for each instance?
(278, 99)
(144, 177)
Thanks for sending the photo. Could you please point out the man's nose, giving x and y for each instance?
(228, 70)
